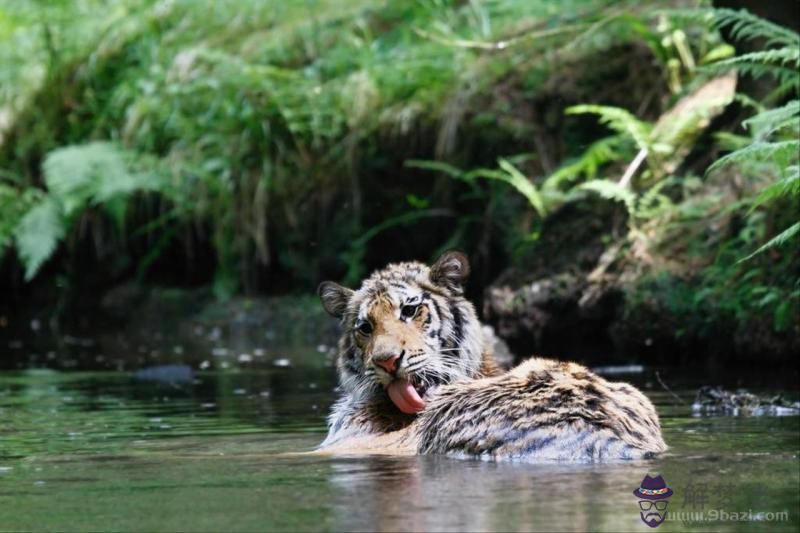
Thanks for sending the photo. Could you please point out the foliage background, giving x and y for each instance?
(259, 147)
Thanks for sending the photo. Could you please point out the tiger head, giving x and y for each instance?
(407, 329)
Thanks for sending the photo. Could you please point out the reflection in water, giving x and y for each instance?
(436, 493)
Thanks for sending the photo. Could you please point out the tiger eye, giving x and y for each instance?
(365, 328)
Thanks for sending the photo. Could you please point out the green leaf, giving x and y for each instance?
(511, 175)
(760, 151)
(96, 173)
(746, 26)
(417, 202)
(520, 182)
(788, 185)
(742, 24)
(781, 64)
(784, 314)
(587, 164)
(438, 166)
(37, 235)
(612, 190)
(768, 122)
(619, 120)
(719, 52)
(75, 174)
(779, 240)
(13, 206)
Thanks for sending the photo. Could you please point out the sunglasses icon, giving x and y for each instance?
(659, 505)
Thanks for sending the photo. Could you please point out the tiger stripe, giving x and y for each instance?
(540, 410)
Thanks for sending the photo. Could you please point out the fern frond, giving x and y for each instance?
(743, 24)
(748, 101)
(788, 56)
(618, 119)
(511, 175)
(74, 174)
(95, 173)
(653, 201)
(746, 26)
(778, 240)
(781, 64)
(524, 185)
(782, 91)
(587, 164)
(38, 233)
(14, 204)
(768, 122)
(788, 185)
(779, 152)
(612, 190)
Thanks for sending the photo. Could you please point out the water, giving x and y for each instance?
(174, 448)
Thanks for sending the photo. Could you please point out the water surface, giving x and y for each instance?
(180, 448)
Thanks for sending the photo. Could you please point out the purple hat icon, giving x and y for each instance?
(653, 488)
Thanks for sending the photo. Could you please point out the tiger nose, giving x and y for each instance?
(388, 362)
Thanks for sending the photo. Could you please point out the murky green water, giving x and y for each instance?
(175, 449)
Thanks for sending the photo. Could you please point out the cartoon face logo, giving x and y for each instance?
(653, 494)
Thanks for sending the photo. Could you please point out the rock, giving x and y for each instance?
(715, 400)
(502, 354)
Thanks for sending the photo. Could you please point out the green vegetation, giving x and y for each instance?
(671, 215)
(262, 146)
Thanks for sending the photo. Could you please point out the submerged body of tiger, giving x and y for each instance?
(416, 377)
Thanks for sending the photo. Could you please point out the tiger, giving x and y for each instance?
(416, 376)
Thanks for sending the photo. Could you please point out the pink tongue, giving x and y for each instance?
(405, 397)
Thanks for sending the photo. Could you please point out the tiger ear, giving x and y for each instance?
(451, 271)
(334, 297)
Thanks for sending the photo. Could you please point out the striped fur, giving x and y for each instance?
(443, 341)
(540, 410)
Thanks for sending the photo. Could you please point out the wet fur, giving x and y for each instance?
(540, 410)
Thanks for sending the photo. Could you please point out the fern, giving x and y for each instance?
(511, 175)
(73, 174)
(520, 182)
(778, 152)
(76, 177)
(654, 202)
(746, 26)
(788, 185)
(780, 58)
(508, 173)
(771, 121)
(587, 164)
(96, 173)
(743, 25)
(778, 240)
(38, 233)
(619, 120)
(13, 206)
(781, 63)
(612, 190)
